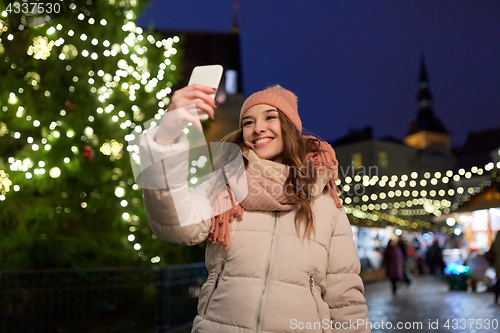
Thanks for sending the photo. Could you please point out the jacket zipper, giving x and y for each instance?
(215, 287)
(311, 285)
(266, 278)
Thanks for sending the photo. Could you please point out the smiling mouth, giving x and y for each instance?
(262, 142)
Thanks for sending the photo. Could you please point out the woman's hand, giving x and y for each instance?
(194, 94)
(182, 110)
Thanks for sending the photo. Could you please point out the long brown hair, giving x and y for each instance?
(302, 175)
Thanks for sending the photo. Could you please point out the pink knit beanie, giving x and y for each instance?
(286, 101)
(282, 99)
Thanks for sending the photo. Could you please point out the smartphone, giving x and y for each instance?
(209, 76)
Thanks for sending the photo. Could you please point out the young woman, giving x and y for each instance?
(280, 257)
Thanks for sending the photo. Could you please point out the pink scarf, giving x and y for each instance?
(264, 195)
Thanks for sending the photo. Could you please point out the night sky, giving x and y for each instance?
(355, 63)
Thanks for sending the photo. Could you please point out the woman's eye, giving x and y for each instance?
(271, 117)
(247, 123)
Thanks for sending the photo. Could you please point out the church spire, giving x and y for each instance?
(426, 130)
(424, 97)
(235, 27)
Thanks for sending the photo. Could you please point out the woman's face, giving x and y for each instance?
(262, 132)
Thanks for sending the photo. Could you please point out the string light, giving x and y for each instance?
(5, 182)
(112, 148)
(41, 48)
(406, 208)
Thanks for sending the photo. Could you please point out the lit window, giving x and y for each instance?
(383, 162)
(231, 82)
(357, 161)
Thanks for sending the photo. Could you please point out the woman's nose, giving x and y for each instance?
(259, 127)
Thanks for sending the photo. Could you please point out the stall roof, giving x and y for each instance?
(488, 198)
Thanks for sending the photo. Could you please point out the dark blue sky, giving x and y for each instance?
(355, 63)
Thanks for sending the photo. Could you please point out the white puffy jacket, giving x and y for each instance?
(270, 280)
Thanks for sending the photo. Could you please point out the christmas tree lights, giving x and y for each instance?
(72, 90)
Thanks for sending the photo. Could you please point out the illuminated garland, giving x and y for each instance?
(429, 200)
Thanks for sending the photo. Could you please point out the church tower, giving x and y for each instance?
(426, 130)
(235, 27)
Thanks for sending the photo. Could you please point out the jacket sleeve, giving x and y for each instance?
(175, 214)
(344, 287)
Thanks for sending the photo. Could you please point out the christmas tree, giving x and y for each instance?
(76, 84)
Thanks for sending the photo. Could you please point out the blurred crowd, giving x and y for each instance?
(416, 254)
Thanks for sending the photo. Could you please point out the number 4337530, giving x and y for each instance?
(33, 8)
(471, 323)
